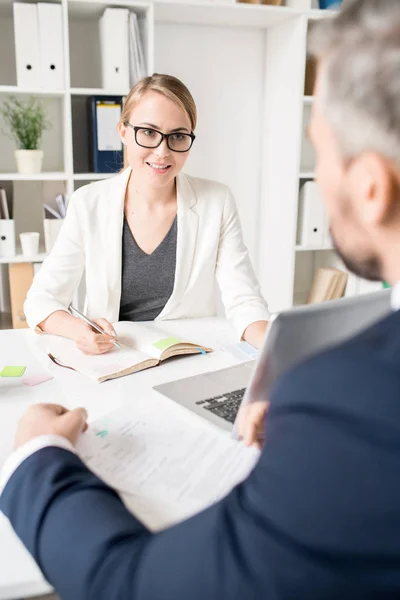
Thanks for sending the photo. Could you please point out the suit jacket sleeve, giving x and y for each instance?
(238, 284)
(296, 528)
(56, 282)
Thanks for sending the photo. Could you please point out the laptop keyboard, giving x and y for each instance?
(225, 406)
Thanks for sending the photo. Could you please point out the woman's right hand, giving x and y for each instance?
(90, 341)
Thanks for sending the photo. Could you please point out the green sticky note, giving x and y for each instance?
(12, 371)
(166, 343)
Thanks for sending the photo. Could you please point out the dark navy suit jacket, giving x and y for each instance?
(319, 517)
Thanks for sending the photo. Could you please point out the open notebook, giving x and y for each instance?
(143, 345)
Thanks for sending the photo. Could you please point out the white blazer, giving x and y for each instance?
(209, 247)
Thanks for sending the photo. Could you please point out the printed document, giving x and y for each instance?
(166, 466)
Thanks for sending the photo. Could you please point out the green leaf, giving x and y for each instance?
(25, 121)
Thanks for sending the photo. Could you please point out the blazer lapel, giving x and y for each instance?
(186, 242)
(112, 239)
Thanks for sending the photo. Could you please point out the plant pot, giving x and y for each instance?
(29, 161)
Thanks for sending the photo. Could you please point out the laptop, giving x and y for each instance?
(292, 336)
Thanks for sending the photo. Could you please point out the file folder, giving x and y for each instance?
(26, 36)
(312, 216)
(7, 238)
(51, 45)
(106, 151)
(114, 46)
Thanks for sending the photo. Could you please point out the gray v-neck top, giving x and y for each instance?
(147, 279)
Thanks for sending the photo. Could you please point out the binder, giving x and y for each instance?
(114, 45)
(327, 239)
(26, 35)
(312, 216)
(106, 152)
(51, 45)
(7, 238)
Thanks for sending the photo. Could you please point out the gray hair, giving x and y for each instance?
(359, 54)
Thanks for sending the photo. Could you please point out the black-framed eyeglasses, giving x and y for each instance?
(152, 138)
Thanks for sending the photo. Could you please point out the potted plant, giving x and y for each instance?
(26, 121)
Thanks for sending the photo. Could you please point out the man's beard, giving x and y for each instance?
(367, 268)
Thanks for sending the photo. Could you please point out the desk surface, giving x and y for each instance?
(19, 576)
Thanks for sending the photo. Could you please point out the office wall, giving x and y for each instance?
(224, 70)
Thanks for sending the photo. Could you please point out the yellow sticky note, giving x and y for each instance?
(166, 343)
(12, 371)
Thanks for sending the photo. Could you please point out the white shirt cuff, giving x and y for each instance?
(23, 452)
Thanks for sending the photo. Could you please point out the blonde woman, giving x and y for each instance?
(151, 240)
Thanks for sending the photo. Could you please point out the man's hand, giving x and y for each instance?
(51, 419)
(251, 423)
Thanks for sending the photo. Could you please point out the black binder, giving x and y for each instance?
(106, 149)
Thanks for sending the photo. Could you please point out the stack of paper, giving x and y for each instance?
(53, 220)
(328, 284)
(137, 66)
(4, 210)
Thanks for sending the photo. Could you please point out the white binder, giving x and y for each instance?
(51, 45)
(7, 238)
(312, 216)
(26, 37)
(114, 43)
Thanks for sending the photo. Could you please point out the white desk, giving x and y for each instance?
(19, 576)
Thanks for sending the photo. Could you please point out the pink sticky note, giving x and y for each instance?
(36, 379)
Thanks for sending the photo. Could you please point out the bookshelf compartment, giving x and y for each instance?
(52, 142)
(8, 70)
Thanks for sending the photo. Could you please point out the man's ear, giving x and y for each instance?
(370, 182)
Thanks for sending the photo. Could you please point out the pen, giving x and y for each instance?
(89, 322)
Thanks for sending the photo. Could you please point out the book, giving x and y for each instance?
(328, 284)
(142, 345)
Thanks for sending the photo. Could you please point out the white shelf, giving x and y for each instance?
(97, 92)
(55, 176)
(14, 89)
(306, 175)
(222, 14)
(92, 176)
(95, 8)
(234, 14)
(20, 258)
(308, 100)
(299, 248)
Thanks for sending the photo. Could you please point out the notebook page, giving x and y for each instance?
(166, 468)
(147, 338)
(94, 366)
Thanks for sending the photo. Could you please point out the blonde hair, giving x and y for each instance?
(167, 85)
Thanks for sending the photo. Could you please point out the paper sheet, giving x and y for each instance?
(166, 467)
(93, 366)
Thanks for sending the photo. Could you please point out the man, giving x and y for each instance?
(319, 517)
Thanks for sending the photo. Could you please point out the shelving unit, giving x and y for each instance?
(245, 66)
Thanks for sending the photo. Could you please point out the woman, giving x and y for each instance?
(150, 240)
